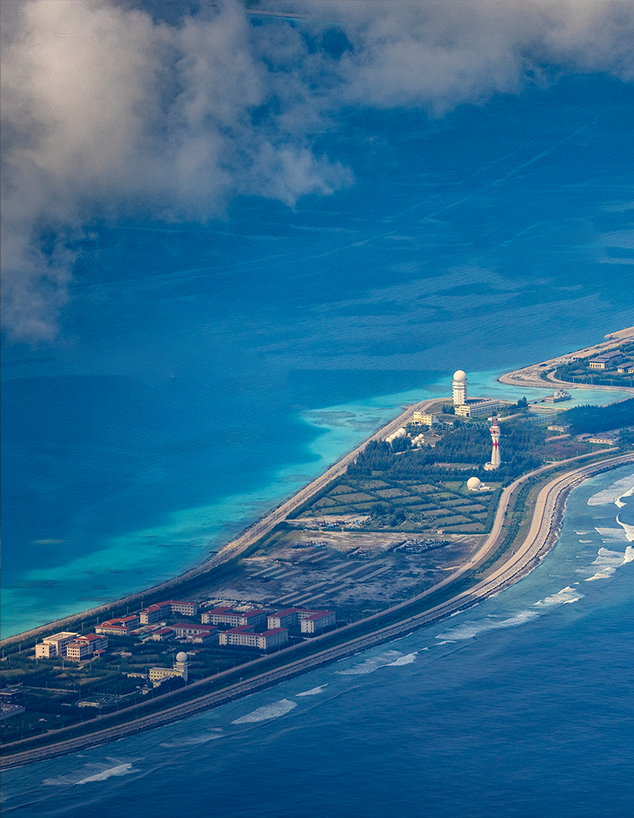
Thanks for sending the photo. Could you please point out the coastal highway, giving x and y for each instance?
(542, 535)
(529, 376)
(254, 532)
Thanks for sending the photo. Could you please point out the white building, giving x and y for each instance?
(477, 408)
(427, 420)
(55, 645)
(157, 674)
(459, 388)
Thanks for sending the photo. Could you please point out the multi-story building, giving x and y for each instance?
(294, 616)
(55, 645)
(185, 607)
(227, 616)
(284, 619)
(318, 621)
(245, 636)
(189, 630)
(154, 613)
(86, 646)
(118, 627)
(162, 634)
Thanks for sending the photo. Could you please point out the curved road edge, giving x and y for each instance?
(541, 537)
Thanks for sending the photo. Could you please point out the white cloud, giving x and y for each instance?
(107, 111)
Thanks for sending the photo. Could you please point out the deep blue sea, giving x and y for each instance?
(205, 372)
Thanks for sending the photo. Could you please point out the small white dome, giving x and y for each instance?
(473, 483)
(183, 657)
(459, 375)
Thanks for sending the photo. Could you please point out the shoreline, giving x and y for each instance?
(546, 521)
(547, 515)
(529, 376)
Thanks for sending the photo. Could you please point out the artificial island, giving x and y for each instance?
(449, 503)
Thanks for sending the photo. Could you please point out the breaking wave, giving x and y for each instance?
(608, 561)
(102, 773)
(612, 534)
(403, 660)
(472, 628)
(390, 657)
(192, 741)
(563, 597)
(269, 711)
(613, 494)
(314, 691)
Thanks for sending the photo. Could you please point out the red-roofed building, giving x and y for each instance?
(318, 621)
(227, 616)
(185, 607)
(153, 613)
(294, 616)
(118, 627)
(162, 634)
(86, 646)
(189, 630)
(244, 635)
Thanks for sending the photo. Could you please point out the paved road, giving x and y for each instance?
(234, 548)
(540, 538)
(530, 375)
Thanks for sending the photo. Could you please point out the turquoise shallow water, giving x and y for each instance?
(519, 707)
(205, 372)
(196, 364)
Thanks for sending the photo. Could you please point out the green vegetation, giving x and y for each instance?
(601, 418)
(580, 372)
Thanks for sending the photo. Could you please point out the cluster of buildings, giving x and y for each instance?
(470, 407)
(71, 646)
(611, 360)
(218, 626)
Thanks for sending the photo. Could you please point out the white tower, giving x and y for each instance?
(495, 438)
(182, 660)
(459, 388)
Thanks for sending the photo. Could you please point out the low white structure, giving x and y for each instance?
(476, 408)
(474, 483)
(427, 420)
(398, 433)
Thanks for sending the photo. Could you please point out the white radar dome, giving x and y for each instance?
(183, 657)
(460, 375)
(473, 483)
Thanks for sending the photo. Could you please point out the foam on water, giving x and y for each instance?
(403, 660)
(470, 629)
(80, 777)
(269, 711)
(607, 562)
(563, 597)
(314, 691)
(621, 488)
(373, 663)
(192, 741)
(612, 534)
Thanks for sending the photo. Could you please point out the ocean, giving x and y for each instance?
(205, 372)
